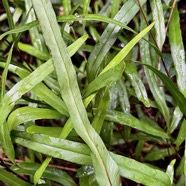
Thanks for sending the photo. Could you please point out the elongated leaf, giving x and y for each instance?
(9, 15)
(158, 17)
(6, 142)
(141, 173)
(181, 135)
(99, 118)
(123, 96)
(170, 170)
(5, 72)
(71, 93)
(137, 84)
(178, 96)
(72, 49)
(11, 179)
(41, 90)
(56, 175)
(67, 18)
(49, 131)
(157, 154)
(177, 50)
(129, 168)
(157, 92)
(177, 116)
(105, 79)
(23, 86)
(129, 120)
(25, 114)
(93, 17)
(19, 29)
(8, 102)
(36, 37)
(109, 36)
(123, 53)
(55, 147)
(41, 169)
(5, 139)
(33, 51)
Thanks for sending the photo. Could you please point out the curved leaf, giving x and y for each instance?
(70, 92)
(129, 120)
(141, 173)
(109, 36)
(157, 92)
(177, 95)
(55, 147)
(25, 114)
(11, 179)
(54, 174)
(105, 79)
(177, 50)
(123, 53)
(158, 17)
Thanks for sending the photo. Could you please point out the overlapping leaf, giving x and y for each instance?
(71, 94)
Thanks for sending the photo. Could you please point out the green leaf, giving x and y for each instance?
(170, 170)
(85, 171)
(137, 84)
(177, 50)
(158, 17)
(50, 173)
(109, 36)
(129, 120)
(5, 139)
(19, 29)
(11, 179)
(41, 169)
(25, 114)
(101, 111)
(157, 92)
(68, 18)
(35, 35)
(9, 15)
(157, 154)
(5, 72)
(15, 93)
(129, 168)
(23, 86)
(105, 79)
(123, 96)
(177, 95)
(70, 92)
(54, 147)
(6, 142)
(140, 172)
(181, 135)
(177, 116)
(33, 51)
(123, 53)
(49, 131)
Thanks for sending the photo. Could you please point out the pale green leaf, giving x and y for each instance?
(11, 179)
(177, 50)
(170, 170)
(158, 17)
(25, 114)
(123, 53)
(109, 36)
(70, 92)
(54, 174)
(129, 120)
